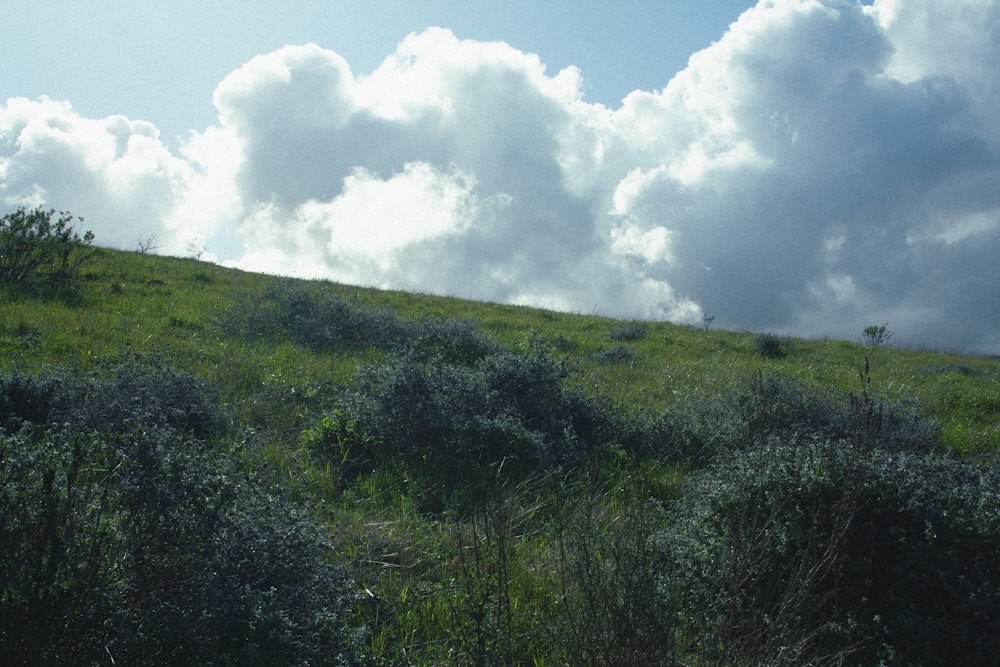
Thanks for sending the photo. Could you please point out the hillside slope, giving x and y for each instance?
(147, 304)
(205, 466)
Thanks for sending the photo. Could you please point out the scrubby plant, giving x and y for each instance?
(616, 582)
(121, 396)
(37, 244)
(134, 390)
(492, 604)
(619, 354)
(506, 411)
(768, 346)
(876, 335)
(126, 538)
(221, 565)
(27, 398)
(668, 436)
(630, 332)
(768, 406)
(818, 553)
(310, 315)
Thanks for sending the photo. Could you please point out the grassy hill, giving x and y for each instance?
(148, 304)
(473, 483)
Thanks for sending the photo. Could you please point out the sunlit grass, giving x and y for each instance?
(128, 303)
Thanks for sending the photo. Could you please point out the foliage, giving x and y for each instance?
(495, 503)
(771, 407)
(619, 354)
(671, 436)
(27, 398)
(631, 331)
(817, 553)
(768, 346)
(876, 335)
(617, 604)
(33, 246)
(127, 539)
(465, 422)
(127, 394)
(133, 301)
(315, 318)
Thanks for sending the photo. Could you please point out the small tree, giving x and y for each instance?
(33, 244)
(876, 335)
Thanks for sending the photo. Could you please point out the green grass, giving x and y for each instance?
(141, 304)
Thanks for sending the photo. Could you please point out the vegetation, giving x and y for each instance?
(877, 334)
(203, 466)
(35, 247)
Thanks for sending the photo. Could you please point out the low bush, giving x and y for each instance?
(221, 565)
(877, 335)
(124, 395)
(818, 553)
(27, 398)
(768, 407)
(310, 316)
(768, 346)
(464, 422)
(619, 354)
(36, 245)
(124, 538)
(669, 436)
(632, 331)
(617, 605)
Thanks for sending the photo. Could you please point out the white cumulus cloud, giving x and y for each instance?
(823, 166)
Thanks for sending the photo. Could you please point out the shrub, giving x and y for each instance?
(450, 340)
(56, 550)
(464, 422)
(768, 346)
(670, 435)
(633, 331)
(310, 316)
(222, 567)
(26, 398)
(818, 553)
(876, 335)
(769, 406)
(144, 546)
(616, 605)
(619, 354)
(127, 394)
(33, 245)
(144, 392)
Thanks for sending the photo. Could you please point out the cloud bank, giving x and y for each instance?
(822, 167)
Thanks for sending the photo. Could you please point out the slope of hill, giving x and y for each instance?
(145, 304)
(203, 465)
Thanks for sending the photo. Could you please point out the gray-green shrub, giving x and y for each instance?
(617, 605)
(619, 354)
(462, 421)
(126, 538)
(769, 406)
(820, 553)
(35, 244)
(632, 331)
(123, 395)
(768, 346)
(310, 315)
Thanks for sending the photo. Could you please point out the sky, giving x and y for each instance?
(799, 167)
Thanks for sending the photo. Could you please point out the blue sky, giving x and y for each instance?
(809, 167)
(160, 61)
